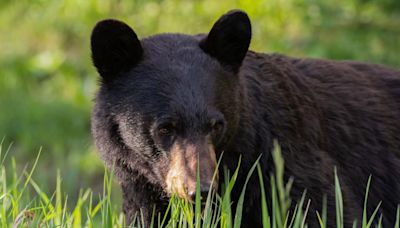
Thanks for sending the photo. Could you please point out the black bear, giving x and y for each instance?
(170, 103)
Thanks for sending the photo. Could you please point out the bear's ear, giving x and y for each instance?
(115, 48)
(229, 39)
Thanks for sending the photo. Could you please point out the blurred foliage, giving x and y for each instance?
(47, 82)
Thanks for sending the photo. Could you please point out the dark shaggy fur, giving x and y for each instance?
(324, 114)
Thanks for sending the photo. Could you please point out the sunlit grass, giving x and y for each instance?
(24, 204)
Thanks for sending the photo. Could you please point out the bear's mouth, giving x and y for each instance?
(191, 162)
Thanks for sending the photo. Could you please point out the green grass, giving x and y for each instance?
(24, 204)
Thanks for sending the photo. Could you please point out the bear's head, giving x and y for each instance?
(168, 104)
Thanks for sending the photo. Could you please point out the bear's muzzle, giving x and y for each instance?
(185, 159)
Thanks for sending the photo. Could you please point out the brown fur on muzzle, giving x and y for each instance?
(185, 157)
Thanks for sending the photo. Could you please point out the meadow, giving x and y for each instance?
(52, 173)
(25, 204)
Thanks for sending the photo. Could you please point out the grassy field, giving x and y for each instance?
(24, 204)
(47, 82)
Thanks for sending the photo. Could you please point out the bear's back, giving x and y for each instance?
(341, 114)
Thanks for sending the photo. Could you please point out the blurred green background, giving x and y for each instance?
(47, 82)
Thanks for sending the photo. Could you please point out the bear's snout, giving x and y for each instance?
(185, 159)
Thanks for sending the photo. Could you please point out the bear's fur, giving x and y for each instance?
(171, 103)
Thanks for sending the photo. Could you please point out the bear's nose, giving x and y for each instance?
(203, 193)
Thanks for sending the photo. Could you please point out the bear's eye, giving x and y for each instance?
(166, 129)
(217, 126)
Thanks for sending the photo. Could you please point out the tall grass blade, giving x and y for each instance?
(58, 212)
(239, 207)
(298, 214)
(29, 176)
(266, 221)
(355, 224)
(397, 223)
(364, 218)
(380, 221)
(198, 199)
(303, 223)
(226, 213)
(208, 214)
(339, 202)
(322, 219)
(371, 219)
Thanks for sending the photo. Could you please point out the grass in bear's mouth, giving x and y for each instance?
(24, 204)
